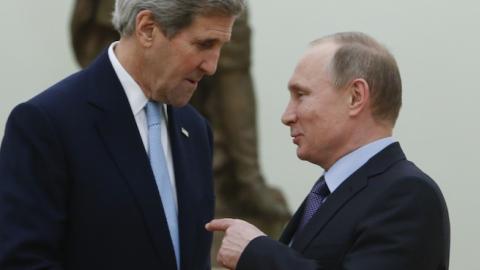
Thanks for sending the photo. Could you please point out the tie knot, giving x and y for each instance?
(154, 114)
(320, 188)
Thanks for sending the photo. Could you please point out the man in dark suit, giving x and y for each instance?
(372, 209)
(108, 169)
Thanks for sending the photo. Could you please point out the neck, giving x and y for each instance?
(358, 137)
(130, 57)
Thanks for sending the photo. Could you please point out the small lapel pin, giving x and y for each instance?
(185, 132)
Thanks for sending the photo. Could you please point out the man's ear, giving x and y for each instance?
(358, 96)
(145, 27)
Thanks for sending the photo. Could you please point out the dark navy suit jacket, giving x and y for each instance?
(388, 215)
(77, 190)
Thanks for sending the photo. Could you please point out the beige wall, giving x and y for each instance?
(436, 44)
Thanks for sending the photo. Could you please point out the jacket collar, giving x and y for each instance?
(335, 202)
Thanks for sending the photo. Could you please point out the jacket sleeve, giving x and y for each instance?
(265, 253)
(33, 192)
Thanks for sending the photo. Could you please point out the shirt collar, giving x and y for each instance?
(135, 95)
(348, 164)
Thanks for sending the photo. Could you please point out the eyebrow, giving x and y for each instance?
(295, 87)
(211, 40)
(201, 39)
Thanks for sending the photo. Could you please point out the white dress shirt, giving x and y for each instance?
(138, 101)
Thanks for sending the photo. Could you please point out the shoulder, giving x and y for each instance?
(391, 170)
(62, 93)
(406, 184)
(407, 174)
(78, 87)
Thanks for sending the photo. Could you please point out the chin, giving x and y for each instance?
(301, 155)
(306, 157)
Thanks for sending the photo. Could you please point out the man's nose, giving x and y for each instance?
(210, 63)
(289, 116)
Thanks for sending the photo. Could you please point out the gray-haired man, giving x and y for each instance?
(108, 169)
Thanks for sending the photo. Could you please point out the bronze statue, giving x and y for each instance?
(227, 100)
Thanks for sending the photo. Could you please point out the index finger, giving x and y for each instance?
(219, 224)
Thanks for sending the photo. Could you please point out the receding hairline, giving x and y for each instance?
(321, 44)
(345, 38)
(342, 39)
(359, 55)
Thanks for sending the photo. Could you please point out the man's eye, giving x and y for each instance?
(301, 93)
(206, 44)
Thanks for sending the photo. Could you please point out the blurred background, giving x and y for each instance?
(436, 44)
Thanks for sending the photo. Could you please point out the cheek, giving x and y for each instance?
(193, 65)
(312, 118)
(318, 125)
(190, 61)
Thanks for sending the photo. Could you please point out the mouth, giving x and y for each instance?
(296, 138)
(192, 82)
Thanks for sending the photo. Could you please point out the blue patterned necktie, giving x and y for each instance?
(315, 199)
(158, 162)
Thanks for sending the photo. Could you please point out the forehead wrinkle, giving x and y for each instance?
(220, 29)
(219, 34)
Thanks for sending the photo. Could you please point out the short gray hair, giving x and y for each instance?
(361, 56)
(171, 15)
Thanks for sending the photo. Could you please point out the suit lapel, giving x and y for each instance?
(347, 190)
(117, 128)
(292, 225)
(333, 204)
(185, 204)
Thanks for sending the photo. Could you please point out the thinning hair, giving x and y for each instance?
(171, 15)
(361, 56)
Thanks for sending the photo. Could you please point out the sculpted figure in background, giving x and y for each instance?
(228, 102)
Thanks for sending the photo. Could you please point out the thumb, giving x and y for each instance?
(219, 224)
